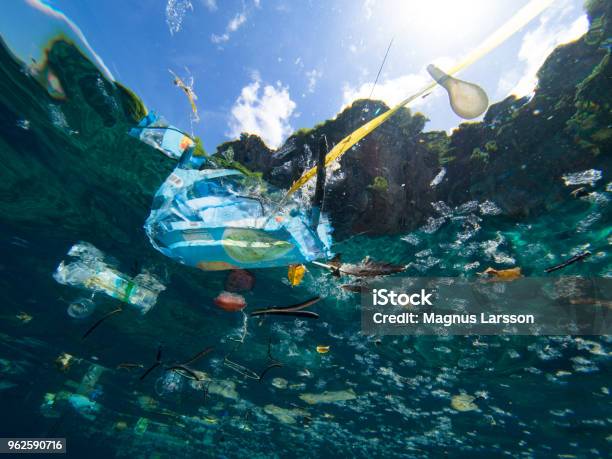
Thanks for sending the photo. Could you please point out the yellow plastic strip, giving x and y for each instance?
(513, 25)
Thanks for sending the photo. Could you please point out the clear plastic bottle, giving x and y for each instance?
(89, 271)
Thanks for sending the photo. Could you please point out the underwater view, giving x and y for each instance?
(199, 198)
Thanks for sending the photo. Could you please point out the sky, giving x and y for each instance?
(270, 67)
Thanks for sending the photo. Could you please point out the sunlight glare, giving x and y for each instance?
(439, 22)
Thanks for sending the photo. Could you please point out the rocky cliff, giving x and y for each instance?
(515, 157)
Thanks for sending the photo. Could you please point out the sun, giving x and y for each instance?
(440, 24)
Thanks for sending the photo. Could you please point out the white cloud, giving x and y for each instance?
(219, 38)
(313, 76)
(537, 44)
(210, 4)
(257, 3)
(264, 111)
(232, 26)
(389, 91)
(236, 22)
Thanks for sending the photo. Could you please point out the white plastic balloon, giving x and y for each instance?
(467, 100)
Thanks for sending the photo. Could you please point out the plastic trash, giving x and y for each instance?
(154, 130)
(81, 308)
(467, 99)
(89, 270)
(295, 274)
(84, 406)
(219, 219)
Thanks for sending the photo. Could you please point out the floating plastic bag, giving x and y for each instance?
(88, 270)
(218, 219)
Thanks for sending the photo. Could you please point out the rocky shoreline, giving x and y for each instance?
(515, 157)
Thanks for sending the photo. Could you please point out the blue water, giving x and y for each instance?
(71, 173)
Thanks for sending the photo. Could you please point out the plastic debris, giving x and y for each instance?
(84, 406)
(89, 270)
(64, 361)
(367, 267)
(503, 274)
(467, 100)
(90, 380)
(220, 219)
(463, 402)
(295, 274)
(147, 403)
(322, 349)
(23, 124)
(81, 308)
(271, 363)
(329, 396)
(305, 373)
(579, 192)
(355, 288)
(99, 322)
(154, 130)
(285, 415)
(570, 261)
(230, 302)
(120, 426)
(24, 317)
(47, 406)
(296, 310)
(224, 388)
(141, 426)
(280, 383)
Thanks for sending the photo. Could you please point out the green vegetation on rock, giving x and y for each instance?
(133, 107)
(479, 155)
(380, 184)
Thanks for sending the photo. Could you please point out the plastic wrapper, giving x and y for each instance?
(155, 131)
(217, 219)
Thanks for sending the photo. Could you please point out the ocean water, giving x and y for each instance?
(71, 173)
